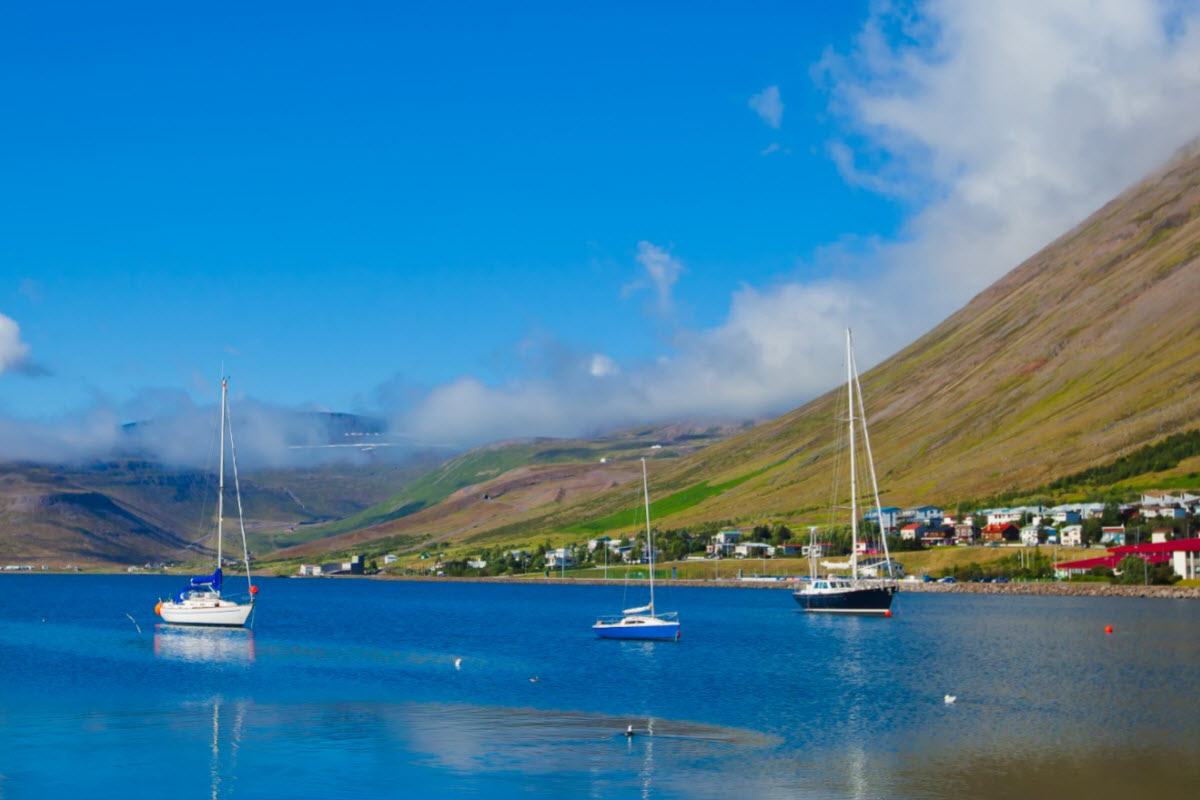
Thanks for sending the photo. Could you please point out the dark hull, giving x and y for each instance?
(863, 600)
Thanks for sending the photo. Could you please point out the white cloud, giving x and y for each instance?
(14, 353)
(1017, 118)
(662, 271)
(768, 106)
(1001, 124)
(603, 366)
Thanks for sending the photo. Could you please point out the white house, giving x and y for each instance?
(476, 563)
(561, 557)
(1029, 535)
(1164, 512)
(390, 558)
(752, 550)
(310, 570)
(1071, 536)
(1004, 516)
(723, 542)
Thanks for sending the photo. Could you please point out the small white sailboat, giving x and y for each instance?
(641, 622)
(202, 601)
(852, 595)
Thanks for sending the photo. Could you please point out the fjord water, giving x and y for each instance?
(348, 688)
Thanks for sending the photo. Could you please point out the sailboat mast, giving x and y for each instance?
(874, 481)
(853, 484)
(649, 540)
(221, 476)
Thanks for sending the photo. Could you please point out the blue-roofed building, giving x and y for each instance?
(891, 518)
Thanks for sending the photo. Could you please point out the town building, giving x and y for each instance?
(1000, 533)
(1071, 536)
(966, 532)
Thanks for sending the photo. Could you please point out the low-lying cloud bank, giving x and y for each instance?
(176, 431)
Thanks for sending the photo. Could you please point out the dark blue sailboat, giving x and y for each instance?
(853, 595)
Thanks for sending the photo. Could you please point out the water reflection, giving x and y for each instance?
(204, 645)
(228, 726)
(576, 748)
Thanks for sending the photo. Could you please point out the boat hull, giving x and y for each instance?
(644, 628)
(858, 600)
(223, 614)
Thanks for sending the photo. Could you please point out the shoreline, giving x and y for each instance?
(1059, 588)
(1063, 589)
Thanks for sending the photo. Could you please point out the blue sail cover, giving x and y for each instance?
(213, 581)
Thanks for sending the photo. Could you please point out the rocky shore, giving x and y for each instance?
(1070, 589)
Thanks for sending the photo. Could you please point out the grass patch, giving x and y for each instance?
(671, 504)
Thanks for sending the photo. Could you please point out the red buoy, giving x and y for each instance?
(253, 590)
(887, 613)
(1108, 628)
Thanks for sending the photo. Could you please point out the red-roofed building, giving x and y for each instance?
(1110, 561)
(1183, 555)
(1001, 532)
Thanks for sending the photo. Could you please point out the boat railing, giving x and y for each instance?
(616, 619)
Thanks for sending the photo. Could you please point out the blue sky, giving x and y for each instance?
(484, 220)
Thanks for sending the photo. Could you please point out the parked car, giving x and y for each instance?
(948, 579)
(1000, 579)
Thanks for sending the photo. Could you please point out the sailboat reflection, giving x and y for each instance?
(646, 773)
(221, 768)
(207, 645)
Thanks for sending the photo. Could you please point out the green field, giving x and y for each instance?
(671, 504)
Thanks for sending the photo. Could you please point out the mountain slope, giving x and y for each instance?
(1086, 351)
(132, 512)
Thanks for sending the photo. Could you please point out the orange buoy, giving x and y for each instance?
(1108, 628)
(158, 608)
(253, 590)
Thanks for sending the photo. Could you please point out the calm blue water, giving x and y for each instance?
(348, 689)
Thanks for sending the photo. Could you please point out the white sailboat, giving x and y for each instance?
(202, 601)
(854, 595)
(641, 622)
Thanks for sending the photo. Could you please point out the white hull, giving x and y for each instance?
(224, 613)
